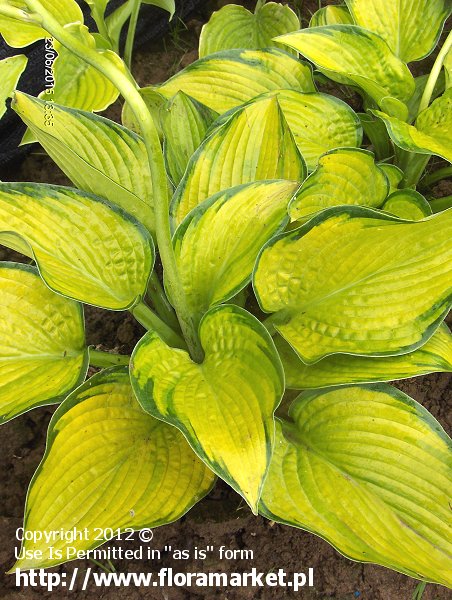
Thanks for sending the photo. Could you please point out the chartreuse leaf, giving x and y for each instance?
(78, 84)
(254, 144)
(357, 281)
(347, 53)
(10, 71)
(411, 29)
(230, 78)
(368, 469)
(319, 123)
(42, 342)
(217, 244)
(97, 154)
(236, 27)
(185, 122)
(344, 176)
(448, 69)
(331, 15)
(433, 130)
(108, 465)
(19, 32)
(407, 204)
(224, 406)
(85, 248)
(394, 175)
(337, 369)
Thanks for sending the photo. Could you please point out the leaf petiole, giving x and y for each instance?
(144, 315)
(99, 358)
(433, 178)
(128, 50)
(161, 303)
(434, 74)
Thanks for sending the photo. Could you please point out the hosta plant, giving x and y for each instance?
(297, 254)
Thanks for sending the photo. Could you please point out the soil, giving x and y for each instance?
(221, 518)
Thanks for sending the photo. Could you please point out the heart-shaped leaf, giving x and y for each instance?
(224, 406)
(98, 155)
(319, 123)
(254, 144)
(20, 32)
(433, 130)
(78, 84)
(337, 369)
(85, 248)
(347, 53)
(42, 342)
(108, 466)
(357, 281)
(236, 27)
(411, 29)
(216, 246)
(344, 176)
(185, 122)
(227, 79)
(407, 204)
(10, 71)
(331, 15)
(368, 469)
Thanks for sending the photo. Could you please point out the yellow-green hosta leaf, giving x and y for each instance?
(254, 144)
(78, 84)
(217, 244)
(10, 71)
(108, 466)
(319, 123)
(448, 69)
(331, 15)
(394, 175)
(236, 27)
(338, 369)
(433, 130)
(230, 78)
(357, 56)
(407, 204)
(85, 248)
(411, 29)
(97, 154)
(357, 281)
(225, 405)
(344, 176)
(42, 342)
(185, 122)
(368, 469)
(20, 31)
